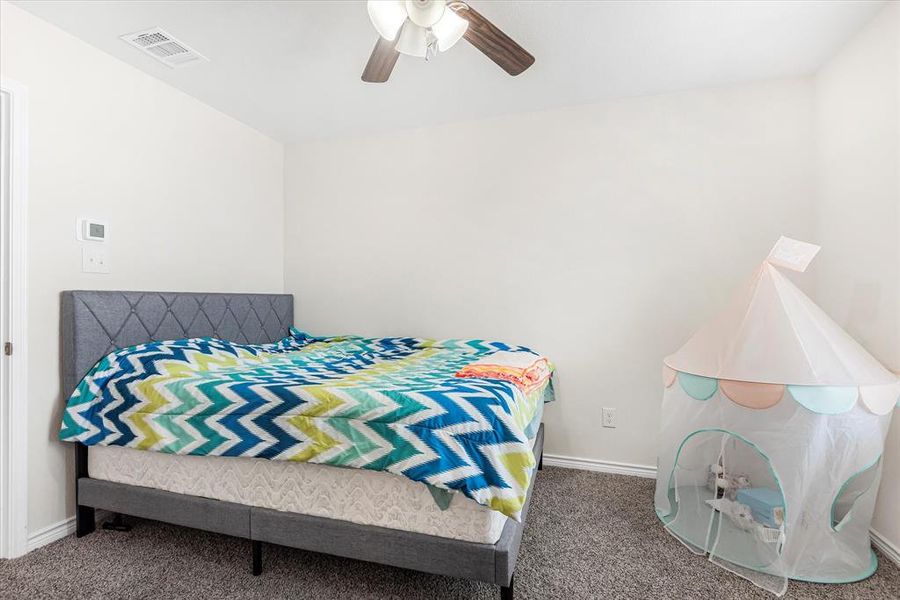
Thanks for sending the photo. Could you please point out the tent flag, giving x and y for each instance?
(792, 254)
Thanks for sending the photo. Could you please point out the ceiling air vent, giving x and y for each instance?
(164, 47)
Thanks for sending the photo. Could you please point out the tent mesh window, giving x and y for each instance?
(852, 490)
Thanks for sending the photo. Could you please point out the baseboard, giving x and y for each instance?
(50, 534)
(56, 531)
(600, 466)
(886, 547)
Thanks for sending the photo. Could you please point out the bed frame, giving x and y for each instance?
(95, 323)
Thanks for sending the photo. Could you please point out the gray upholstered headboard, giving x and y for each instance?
(94, 323)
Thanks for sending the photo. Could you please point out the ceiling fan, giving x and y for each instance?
(423, 27)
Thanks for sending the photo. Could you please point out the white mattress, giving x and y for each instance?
(357, 495)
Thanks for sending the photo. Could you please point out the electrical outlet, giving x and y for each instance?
(94, 259)
(609, 417)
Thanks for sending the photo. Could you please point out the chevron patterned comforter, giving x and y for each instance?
(387, 404)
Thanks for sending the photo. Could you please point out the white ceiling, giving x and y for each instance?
(292, 69)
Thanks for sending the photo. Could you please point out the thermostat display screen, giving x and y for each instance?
(92, 230)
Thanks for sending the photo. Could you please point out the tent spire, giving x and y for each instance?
(771, 332)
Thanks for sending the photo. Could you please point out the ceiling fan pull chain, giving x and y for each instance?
(431, 44)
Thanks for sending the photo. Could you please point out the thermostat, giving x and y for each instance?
(92, 230)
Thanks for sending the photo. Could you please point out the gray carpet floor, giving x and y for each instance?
(589, 535)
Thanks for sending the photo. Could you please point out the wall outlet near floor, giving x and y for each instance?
(609, 417)
(94, 259)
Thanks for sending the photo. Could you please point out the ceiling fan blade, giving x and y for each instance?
(381, 62)
(495, 44)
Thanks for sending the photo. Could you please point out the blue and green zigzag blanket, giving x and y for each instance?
(386, 404)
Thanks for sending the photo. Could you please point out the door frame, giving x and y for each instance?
(14, 394)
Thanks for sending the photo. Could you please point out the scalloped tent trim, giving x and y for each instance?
(822, 399)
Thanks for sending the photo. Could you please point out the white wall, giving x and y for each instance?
(601, 235)
(858, 210)
(176, 180)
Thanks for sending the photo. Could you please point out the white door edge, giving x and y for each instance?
(13, 399)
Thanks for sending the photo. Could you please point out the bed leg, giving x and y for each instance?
(117, 523)
(506, 591)
(85, 517)
(257, 557)
(541, 462)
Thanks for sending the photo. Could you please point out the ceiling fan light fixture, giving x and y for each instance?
(422, 28)
(449, 30)
(412, 40)
(426, 13)
(387, 16)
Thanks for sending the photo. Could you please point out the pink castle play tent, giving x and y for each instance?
(773, 428)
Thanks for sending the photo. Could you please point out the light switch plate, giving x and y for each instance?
(94, 259)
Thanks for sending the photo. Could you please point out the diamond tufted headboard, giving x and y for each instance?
(94, 323)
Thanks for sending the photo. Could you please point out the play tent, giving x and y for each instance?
(773, 427)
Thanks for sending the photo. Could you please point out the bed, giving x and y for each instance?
(362, 514)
